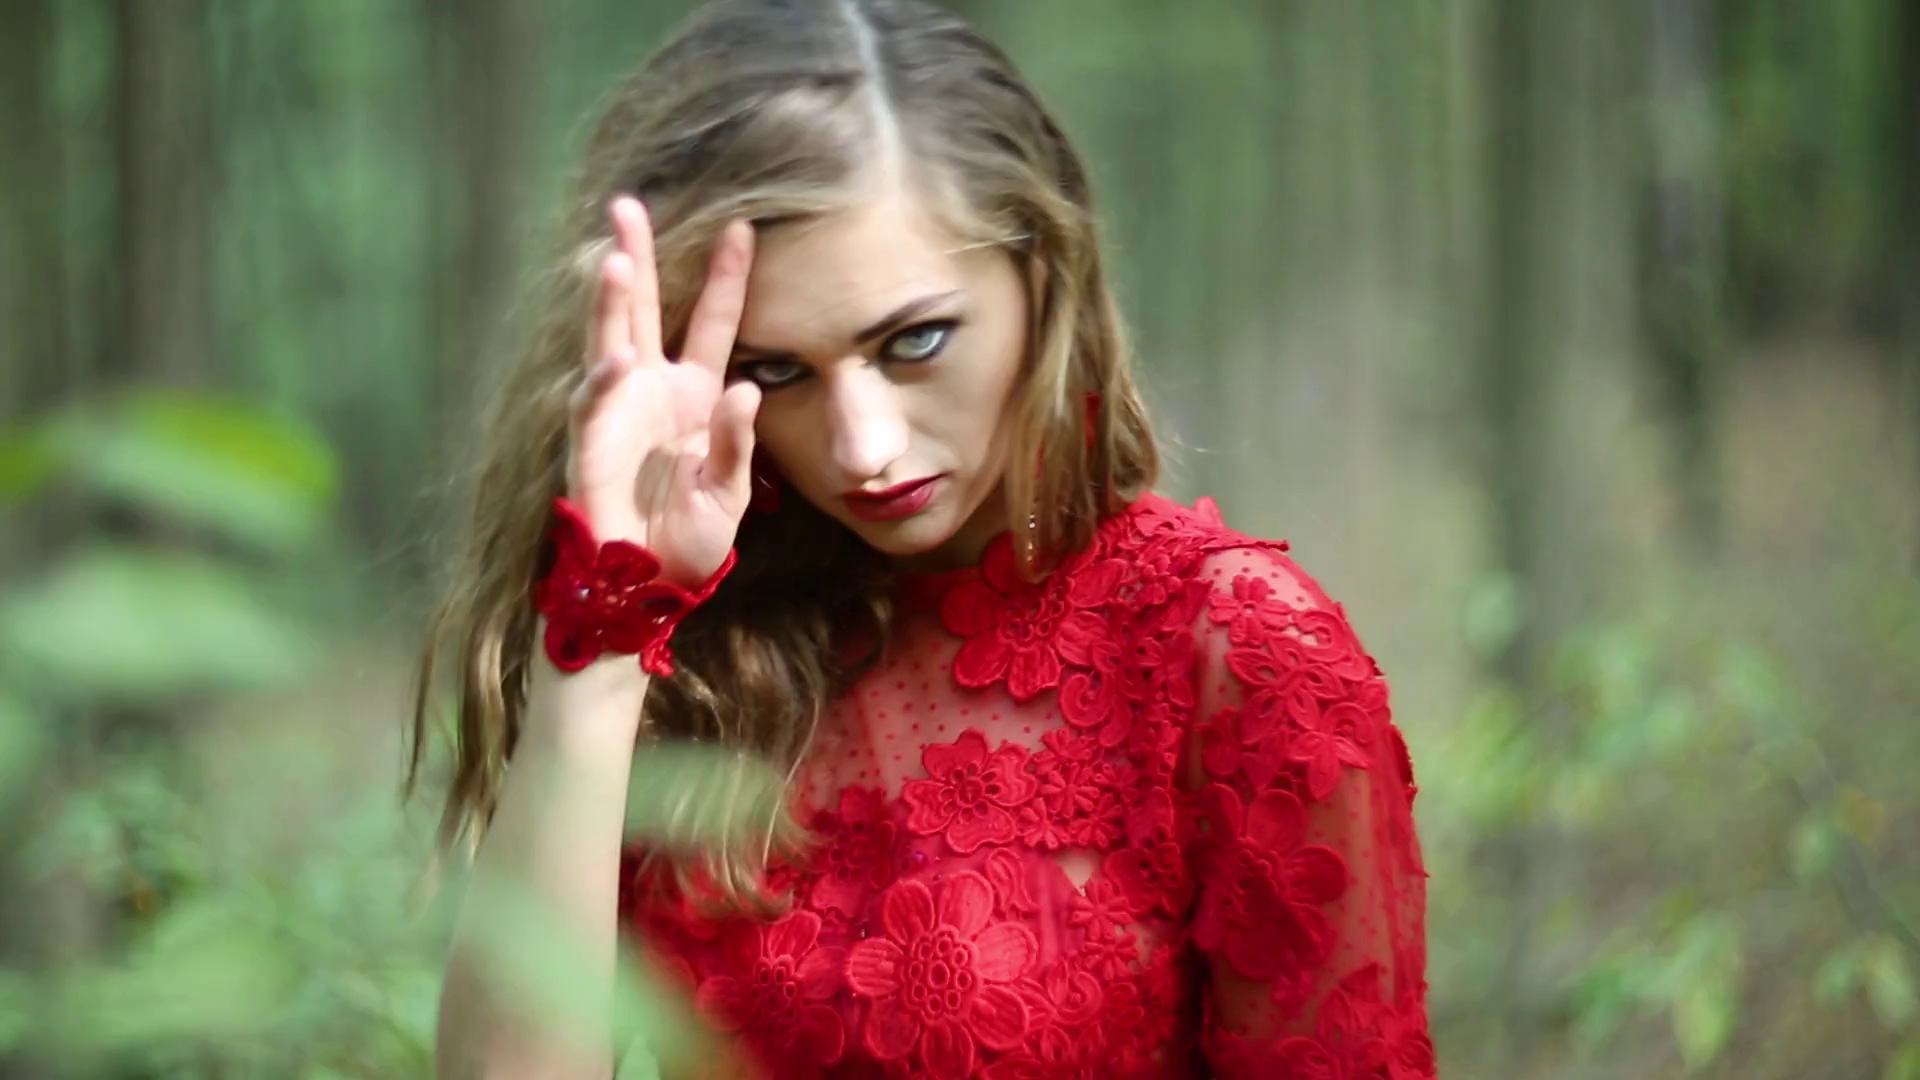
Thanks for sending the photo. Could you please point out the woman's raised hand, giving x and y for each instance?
(660, 447)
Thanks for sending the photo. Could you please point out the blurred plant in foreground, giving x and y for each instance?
(220, 894)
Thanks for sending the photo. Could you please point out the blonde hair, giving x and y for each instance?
(778, 111)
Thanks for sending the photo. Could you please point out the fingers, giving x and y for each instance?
(613, 321)
(593, 390)
(634, 233)
(716, 317)
(730, 443)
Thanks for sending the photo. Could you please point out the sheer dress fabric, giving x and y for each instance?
(1149, 817)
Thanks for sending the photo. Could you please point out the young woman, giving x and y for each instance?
(829, 452)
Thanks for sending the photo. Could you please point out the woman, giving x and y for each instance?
(831, 423)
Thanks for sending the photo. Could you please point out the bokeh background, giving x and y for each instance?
(1574, 344)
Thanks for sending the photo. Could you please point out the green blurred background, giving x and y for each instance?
(1574, 344)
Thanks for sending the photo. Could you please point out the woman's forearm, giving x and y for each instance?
(552, 856)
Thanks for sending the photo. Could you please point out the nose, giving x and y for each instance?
(866, 427)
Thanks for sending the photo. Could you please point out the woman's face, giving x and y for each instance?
(889, 352)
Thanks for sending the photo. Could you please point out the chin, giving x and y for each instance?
(904, 539)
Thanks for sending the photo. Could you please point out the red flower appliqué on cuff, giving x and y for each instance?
(608, 598)
(939, 978)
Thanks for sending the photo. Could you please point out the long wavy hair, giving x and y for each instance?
(779, 111)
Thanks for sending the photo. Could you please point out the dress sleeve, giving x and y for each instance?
(1312, 896)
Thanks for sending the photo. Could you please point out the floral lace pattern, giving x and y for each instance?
(1149, 817)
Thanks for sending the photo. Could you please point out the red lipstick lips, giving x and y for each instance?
(894, 503)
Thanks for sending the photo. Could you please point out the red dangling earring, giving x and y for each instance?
(765, 491)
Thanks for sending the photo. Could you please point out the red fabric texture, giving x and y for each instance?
(601, 598)
(1149, 817)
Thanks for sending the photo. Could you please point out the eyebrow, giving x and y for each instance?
(881, 327)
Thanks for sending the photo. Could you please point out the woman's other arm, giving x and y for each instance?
(551, 854)
(659, 455)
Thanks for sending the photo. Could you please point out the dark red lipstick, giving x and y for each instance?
(894, 503)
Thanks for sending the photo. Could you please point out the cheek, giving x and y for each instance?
(982, 398)
(782, 440)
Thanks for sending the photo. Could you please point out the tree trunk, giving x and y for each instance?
(1903, 166)
(1680, 258)
(36, 357)
(1510, 395)
(36, 375)
(1512, 381)
(482, 56)
(165, 162)
(1530, 343)
(482, 62)
(156, 280)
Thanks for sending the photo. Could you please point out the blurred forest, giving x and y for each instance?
(1574, 344)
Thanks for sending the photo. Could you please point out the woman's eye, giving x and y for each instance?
(916, 343)
(770, 374)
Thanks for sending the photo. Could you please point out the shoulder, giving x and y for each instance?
(1252, 611)
(1287, 694)
(1242, 601)
(1193, 550)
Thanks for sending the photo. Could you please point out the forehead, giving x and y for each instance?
(819, 281)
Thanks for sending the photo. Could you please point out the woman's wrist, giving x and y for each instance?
(602, 596)
(594, 710)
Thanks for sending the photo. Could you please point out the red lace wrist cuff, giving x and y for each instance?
(608, 598)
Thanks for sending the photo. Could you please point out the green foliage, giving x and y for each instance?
(263, 480)
(1695, 758)
(223, 951)
(691, 798)
(1878, 967)
(1692, 781)
(217, 954)
(23, 738)
(124, 624)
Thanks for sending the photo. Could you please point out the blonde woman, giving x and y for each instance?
(829, 452)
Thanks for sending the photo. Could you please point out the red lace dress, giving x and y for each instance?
(1147, 818)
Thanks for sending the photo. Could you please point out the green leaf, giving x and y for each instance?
(1493, 614)
(1890, 988)
(1747, 681)
(1815, 844)
(28, 459)
(415, 1002)
(83, 838)
(1905, 1062)
(691, 798)
(1837, 974)
(250, 476)
(16, 1011)
(1603, 999)
(202, 975)
(122, 624)
(1672, 723)
(1703, 1018)
(22, 741)
(1494, 744)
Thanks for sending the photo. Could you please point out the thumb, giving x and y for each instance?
(730, 443)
